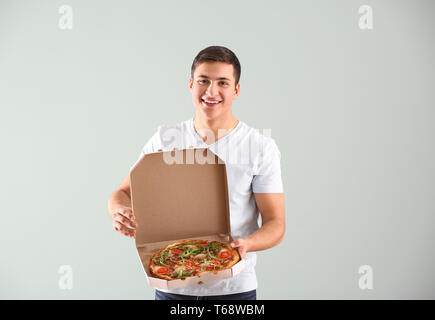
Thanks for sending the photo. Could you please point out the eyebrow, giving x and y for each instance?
(221, 78)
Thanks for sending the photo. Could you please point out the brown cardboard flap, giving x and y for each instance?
(181, 200)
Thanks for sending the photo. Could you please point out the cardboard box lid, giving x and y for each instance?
(180, 200)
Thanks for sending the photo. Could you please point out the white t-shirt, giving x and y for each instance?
(252, 162)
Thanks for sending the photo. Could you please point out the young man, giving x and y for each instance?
(253, 172)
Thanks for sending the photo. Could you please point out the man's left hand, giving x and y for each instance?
(242, 245)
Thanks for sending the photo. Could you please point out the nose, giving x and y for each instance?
(212, 89)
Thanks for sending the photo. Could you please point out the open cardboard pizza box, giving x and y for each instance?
(179, 195)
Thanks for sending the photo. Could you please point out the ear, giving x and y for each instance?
(190, 84)
(237, 90)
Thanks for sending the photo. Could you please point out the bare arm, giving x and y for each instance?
(120, 211)
(271, 233)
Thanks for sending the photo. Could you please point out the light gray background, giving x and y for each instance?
(352, 112)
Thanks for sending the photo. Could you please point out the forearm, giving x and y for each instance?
(269, 235)
(119, 198)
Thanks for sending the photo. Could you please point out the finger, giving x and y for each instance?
(125, 221)
(118, 226)
(126, 212)
(235, 243)
(127, 233)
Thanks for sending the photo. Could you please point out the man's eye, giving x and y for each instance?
(224, 83)
(202, 81)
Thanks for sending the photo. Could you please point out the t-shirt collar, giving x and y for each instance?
(199, 138)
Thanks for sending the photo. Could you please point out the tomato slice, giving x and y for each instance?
(224, 255)
(162, 270)
(176, 251)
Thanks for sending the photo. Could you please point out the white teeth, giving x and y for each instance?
(214, 102)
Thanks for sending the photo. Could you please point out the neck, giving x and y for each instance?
(217, 127)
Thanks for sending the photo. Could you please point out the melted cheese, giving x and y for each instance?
(177, 269)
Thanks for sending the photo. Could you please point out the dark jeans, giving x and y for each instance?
(248, 295)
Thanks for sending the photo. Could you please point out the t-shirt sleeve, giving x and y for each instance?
(267, 171)
(151, 146)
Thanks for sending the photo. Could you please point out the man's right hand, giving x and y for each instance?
(124, 221)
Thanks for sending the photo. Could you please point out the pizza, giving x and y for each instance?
(190, 258)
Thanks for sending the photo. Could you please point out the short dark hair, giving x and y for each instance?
(218, 54)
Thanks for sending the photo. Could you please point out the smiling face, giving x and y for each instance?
(213, 90)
